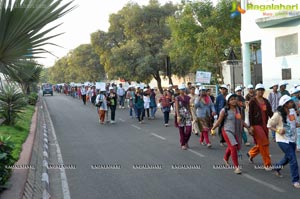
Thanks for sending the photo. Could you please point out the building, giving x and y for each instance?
(275, 26)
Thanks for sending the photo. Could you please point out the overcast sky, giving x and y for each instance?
(88, 17)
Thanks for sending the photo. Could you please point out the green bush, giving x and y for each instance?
(6, 160)
(12, 103)
(32, 98)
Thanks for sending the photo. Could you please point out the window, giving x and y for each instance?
(286, 73)
(286, 45)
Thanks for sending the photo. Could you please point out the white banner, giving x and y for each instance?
(100, 85)
(203, 77)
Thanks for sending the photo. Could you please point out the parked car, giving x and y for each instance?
(47, 89)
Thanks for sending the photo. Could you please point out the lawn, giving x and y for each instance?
(20, 131)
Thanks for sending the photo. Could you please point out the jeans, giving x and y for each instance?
(113, 112)
(244, 136)
(166, 116)
(140, 114)
(122, 100)
(289, 157)
(153, 111)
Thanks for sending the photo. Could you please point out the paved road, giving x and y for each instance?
(128, 145)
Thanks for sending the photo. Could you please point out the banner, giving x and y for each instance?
(203, 77)
(100, 85)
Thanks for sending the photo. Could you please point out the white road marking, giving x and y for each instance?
(158, 136)
(63, 176)
(139, 128)
(271, 186)
(196, 153)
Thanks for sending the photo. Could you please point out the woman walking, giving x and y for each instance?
(112, 102)
(183, 117)
(131, 98)
(165, 102)
(232, 126)
(259, 112)
(284, 123)
(193, 97)
(139, 104)
(101, 104)
(205, 110)
(153, 105)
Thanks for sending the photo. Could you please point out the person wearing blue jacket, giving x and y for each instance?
(220, 103)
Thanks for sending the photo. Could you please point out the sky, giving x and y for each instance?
(77, 25)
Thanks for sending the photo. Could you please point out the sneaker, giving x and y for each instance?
(296, 185)
(209, 145)
(278, 174)
(237, 171)
(247, 144)
(250, 159)
(166, 125)
(202, 143)
(183, 147)
(112, 121)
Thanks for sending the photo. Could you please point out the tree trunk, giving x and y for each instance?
(170, 79)
(158, 79)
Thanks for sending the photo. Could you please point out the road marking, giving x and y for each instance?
(63, 176)
(196, 153)
(139, 128)
(158, 136)
(271, 186)
(121, 120)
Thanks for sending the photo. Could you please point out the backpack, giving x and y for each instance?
(226, 108)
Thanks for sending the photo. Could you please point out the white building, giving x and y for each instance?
(275, 25)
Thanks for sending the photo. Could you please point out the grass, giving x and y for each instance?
(20, 131)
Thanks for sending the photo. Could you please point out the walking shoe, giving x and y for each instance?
(183, 147)
(222, 144)
(296, 185)
(166, 125)
(278, 174)
(112, 121)
(237, 171)
(250, 159)
(247, 144)
(209, 145)
(202, 143)
(226, 162)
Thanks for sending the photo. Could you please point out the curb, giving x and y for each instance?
(19, 176)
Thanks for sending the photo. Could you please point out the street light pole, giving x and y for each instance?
(232, 57)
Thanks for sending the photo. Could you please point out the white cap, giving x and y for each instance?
(274, 84)
(259, 86)
(283, 83)
(181, 87)
(228, 96)
(238, 88)
(202, 88)
(111, 88)
(224, 86)
(284, 99)
(198, 84)
(294, 91)
(250, 86)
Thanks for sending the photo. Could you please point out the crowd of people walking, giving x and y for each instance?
(197, 112)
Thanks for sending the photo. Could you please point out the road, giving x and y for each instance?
(128, 160)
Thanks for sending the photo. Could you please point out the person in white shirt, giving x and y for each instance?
(284, 123)
(146, 99)
(121, 95)
(101, 104)
(83, 94)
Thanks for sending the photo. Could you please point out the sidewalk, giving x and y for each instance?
(19, 176)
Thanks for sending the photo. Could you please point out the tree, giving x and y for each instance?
(23, 31)
(27, 76)
(200, 34)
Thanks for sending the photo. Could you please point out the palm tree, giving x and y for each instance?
(23, 31)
